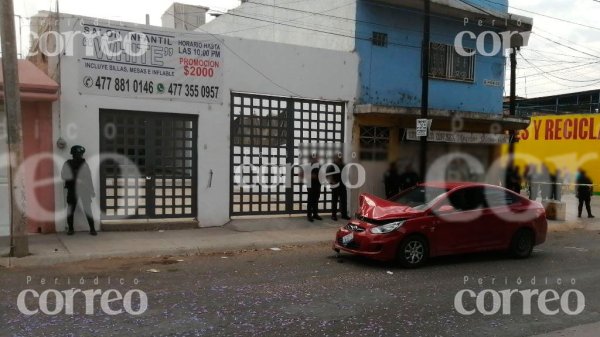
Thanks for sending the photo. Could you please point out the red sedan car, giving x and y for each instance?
(437, 219)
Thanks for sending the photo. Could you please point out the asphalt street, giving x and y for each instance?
(309, 291)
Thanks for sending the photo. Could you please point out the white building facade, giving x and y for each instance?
(167, 131)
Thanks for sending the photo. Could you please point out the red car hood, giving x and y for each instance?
(376, 208)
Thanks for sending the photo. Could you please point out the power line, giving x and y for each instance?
(292, 20)
(535, 32)
(560, 54)
(357, 20)
(239, 57)
(567, 40)
(595, 81)
(232, 12)
(476, 7)
(570, 87)
(558, 70)
(542, 73)
(565, 46)
(544, 15)
(320, 31)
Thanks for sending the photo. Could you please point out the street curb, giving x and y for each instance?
(564, 227)
(45, 261)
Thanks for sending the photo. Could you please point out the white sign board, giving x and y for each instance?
(422, 127)
(460, 137)
(149, 64)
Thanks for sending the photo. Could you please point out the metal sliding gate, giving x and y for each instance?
(268, 136)
(154, 174)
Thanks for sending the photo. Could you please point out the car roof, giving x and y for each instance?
(454, 185)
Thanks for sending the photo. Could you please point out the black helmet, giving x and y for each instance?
(77, 149)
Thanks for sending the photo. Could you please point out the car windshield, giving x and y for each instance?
(418, 197)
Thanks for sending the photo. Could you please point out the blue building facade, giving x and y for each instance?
(390, 71)
(466, 90)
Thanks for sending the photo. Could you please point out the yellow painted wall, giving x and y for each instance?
(563, 142)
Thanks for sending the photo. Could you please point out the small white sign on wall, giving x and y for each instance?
(423, 127)
(492, 83)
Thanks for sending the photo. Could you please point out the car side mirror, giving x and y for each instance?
(446, 209)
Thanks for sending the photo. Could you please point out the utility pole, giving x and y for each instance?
(19, 245)
(425, 82)
(513, 104)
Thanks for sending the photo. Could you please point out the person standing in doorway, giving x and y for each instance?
(532, 177)
(584, 193)
(338, 189)
(515, 180)
(409, 178)
(313, 186)
(545, 186)
(391, 180)
(80, 189)
(556, 180)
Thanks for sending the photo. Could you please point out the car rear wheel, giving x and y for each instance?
(522, 244)
(413, 252)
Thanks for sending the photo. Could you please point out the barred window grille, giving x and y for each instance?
(380, 39)
(445, 63)
(374, 143)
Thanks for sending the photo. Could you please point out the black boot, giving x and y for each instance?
(90, 220)
(70, 230)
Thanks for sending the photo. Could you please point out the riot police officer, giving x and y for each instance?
(80, 189)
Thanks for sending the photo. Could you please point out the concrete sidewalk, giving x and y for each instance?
(573, 222)
(57, 248)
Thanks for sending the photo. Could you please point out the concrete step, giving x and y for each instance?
(147, 226)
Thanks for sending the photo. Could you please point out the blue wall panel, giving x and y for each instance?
(392, 75)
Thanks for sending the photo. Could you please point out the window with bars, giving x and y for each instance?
(261, 130)
(380, 39)
(374, 143)
(445, 63)
(277, 134)
(159, 178)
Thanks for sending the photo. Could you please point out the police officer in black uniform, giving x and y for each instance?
(584, 193)
(313, 187)
(80, 189)
(338, 189)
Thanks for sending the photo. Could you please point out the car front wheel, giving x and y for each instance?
(413, 252)
(522, 244)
